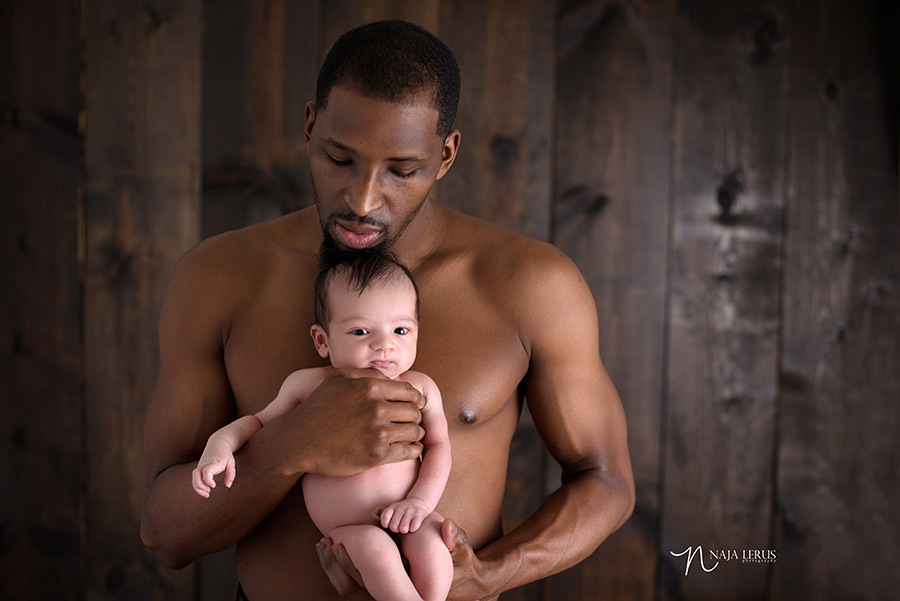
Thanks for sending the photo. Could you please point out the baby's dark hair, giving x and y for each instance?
(361, 271)
(393, 61)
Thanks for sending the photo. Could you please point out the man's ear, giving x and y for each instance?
(310, 121)
(320, 339)
(448, 152)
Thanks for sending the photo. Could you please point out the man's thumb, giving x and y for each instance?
(455, 538)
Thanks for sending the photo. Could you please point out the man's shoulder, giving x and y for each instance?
(498, 253)
(253, 248)
(227, 269)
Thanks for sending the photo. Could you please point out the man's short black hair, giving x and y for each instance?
(393, 60)
(361, 271)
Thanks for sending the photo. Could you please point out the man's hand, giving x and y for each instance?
(468, 570)
(355, 420)
(344, 577)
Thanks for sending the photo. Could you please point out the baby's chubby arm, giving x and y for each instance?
(407, 515)
(218, 456)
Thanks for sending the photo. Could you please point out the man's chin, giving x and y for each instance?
(331, 252)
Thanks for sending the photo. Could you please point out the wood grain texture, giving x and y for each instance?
(610, 216)
(728, 177)
(142, 165)
(340, 16)
(838, 472)
(41, 400)
(259, 75)
(504, 165)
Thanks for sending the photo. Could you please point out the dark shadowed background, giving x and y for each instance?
(725, 173)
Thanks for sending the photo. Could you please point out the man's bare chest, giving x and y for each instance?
(468, 348)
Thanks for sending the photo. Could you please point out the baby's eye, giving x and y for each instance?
(359, 332)
(402, 331)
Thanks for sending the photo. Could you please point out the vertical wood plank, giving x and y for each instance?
(339, 16)
(503, 170)
(142, 170)
(260, 72)
(612, 186)
(504, 167)
(41, 533)
(729, 123)
(839, 477)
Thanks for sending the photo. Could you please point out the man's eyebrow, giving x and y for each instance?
(338, 145)
(345, 148)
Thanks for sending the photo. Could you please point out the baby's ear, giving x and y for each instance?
(320, 339)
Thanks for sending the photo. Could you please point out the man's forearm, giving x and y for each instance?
(180, 526)
(569, 526)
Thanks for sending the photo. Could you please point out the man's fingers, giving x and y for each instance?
(342, 574)
(401, 450)
(406, 433)
(456, 540)
(381, 387)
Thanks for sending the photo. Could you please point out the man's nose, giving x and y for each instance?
(364, 196)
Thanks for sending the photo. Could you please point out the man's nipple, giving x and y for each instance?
(467, 417)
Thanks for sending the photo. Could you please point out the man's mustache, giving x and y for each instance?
(356, 219)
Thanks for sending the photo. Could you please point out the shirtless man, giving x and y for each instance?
(503, 318)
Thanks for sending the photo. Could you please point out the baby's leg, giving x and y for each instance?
(430, 564)
(377, 558)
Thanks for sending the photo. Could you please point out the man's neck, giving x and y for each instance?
(422, 237)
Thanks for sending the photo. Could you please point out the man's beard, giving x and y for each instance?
(331, 253)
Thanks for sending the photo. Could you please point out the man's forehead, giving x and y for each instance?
(425, 96)
(349, 114)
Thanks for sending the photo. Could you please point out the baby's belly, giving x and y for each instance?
(339, 501)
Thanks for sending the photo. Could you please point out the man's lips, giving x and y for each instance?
(354, 239)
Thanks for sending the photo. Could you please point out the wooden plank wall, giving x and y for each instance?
(142, 211)
(41, 399)
(728, 171)
(724, 173)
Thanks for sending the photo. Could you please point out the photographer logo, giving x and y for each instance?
(715, 556)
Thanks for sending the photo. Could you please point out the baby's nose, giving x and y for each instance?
(383, 343)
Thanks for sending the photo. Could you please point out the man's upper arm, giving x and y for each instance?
(572, 399)
(192, 397)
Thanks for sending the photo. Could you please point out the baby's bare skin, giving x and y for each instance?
(375, 327)
(371, 497)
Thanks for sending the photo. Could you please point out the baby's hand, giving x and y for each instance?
(404, 516)
(203, 476)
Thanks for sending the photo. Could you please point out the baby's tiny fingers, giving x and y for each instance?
(386, 516)
(416, 523)
(209, 476)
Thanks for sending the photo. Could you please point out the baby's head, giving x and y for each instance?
(367, 315)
